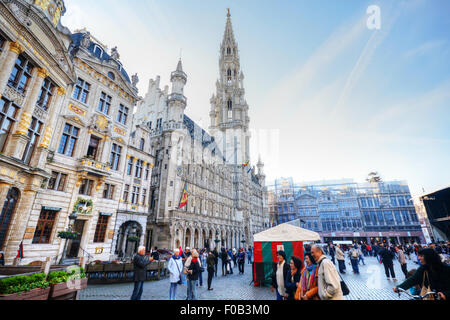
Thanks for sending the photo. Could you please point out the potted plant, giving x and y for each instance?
(133, 238)
(68, 235)
(31, 287)
(64, 285)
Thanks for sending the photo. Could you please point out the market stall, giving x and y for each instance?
(286, 237)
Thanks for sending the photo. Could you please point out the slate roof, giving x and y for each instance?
(76, 42)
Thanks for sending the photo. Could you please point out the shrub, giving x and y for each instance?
(20, 284)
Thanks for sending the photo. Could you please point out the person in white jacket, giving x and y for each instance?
(175, 268)
(329, 282)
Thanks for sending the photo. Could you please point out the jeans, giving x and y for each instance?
(224, 268)
(341, 264)
(249, 259)
(241, 266)
(137, 291)
(191, 290)
(332, 259)
(173, 291)
(200, 279)
(361, 258)
(355, 265)
(389, 266)
(279, 297)
(231, 269)
(215, 269)
(405, 270)
(210, 277)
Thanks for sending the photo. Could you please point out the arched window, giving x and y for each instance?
(141, 144)
(98, 52)
(228, 50)
(230, 109)
(9, 207)
(111, 75)
(229, 74)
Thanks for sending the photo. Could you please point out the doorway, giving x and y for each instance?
(75, 244)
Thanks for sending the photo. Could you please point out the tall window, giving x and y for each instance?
(2, 42)
(94, 142)
(135, 195)
(228, 50)
(100, 230)
(229, 75)
(81, 90)
(9, 208)
(139, 167)
(114, 159)
(230, 109)
(141, 144)
(8, 113)
(34, 132)
(57, 181)
(44, 227)
(144, 197)
(21, 74)
(86, 187)
(108, 192)
(158, 124)
(68, 140)
(46, 94)
(122, 115)
(130, 166)
(147, 171)
(126, 192)
(104, 104)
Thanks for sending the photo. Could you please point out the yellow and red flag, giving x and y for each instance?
(184, 198)
(246, 164)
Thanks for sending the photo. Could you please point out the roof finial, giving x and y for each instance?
(228, 13)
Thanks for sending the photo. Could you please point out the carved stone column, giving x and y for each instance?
(5, 69)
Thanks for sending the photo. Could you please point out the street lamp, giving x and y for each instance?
(72, 217)
(217, 238)
(243, 240)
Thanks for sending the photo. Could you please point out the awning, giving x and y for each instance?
(286, 232)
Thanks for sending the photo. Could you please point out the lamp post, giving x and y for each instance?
(243, 241)
(72, 218)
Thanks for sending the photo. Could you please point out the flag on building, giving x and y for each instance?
(184, 198)
(246, 164)
(20, 251)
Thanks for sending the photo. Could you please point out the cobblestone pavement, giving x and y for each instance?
(370, 284)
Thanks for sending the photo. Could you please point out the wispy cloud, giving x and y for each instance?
(426, 48)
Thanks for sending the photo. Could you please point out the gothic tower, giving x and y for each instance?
(176, 100)
(229, 109)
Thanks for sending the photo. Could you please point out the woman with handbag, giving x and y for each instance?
(175, 266)
(432, 275)
(308, 287)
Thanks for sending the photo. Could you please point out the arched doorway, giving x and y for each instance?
(9, 207)
(187, 240)
(196, 238)
(128, 239)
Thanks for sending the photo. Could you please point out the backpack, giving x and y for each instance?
(355, 253)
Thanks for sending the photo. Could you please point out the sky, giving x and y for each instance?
(329, 97)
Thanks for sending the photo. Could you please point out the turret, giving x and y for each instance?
(177, 102)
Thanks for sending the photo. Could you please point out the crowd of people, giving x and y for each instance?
(186, 267)
(316, 277)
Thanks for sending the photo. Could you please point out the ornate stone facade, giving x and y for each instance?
(226, 200)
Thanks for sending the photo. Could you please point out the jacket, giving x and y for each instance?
(175, 268)
(211, 262)
(286, 269)
(291, 286)
(329, 281)
(340, 255)
(195, 267)
(401, 257)
(440, 281)
(313, 291)
(386, 255)
(140, 264)
(354, 251)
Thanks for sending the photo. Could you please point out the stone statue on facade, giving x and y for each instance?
(86, 40)
(134, 80)
(115, 54)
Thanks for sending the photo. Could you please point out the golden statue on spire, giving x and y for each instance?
(228, 12)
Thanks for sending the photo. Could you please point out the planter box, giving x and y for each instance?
(64, 291)
(35, 294)
(95, 268)
(114, 267)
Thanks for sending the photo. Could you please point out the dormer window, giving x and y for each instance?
(98, 51)
(142, 144)
(111, 75)
(119, 66)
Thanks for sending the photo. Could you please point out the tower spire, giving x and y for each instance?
(228, 12)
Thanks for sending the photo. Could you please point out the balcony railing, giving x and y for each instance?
(93, 166)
